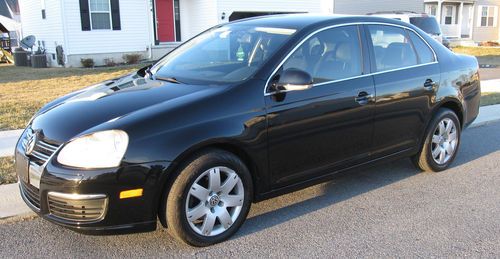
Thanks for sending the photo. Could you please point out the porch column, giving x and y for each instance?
(438, 12)
(460, 19)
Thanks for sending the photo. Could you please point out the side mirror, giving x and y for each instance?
(294, 79)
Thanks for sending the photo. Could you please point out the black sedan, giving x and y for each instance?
(241, 113)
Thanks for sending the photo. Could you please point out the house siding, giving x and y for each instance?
(199, 15)
(479, 33)
(361, 7)
(48, 31)
(134, 35)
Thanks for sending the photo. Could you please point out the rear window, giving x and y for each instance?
(427, 24)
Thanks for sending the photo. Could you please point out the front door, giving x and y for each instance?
(314, 131)
(466, 21)
(164, 10)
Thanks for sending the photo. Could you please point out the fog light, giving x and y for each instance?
(131, 194)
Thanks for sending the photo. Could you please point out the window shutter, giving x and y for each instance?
(479, 15)
(115, 15)
(85, 15)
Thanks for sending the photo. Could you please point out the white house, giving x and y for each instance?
(460, 20)
(105, 29)
(10, 23)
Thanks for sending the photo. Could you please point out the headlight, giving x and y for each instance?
(102, 149)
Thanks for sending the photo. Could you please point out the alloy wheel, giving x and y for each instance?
(214, 201)
(444, 141)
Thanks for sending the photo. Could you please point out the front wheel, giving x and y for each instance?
(210, 199)
(441, 142)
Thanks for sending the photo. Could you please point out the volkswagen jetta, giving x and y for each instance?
(243, 112)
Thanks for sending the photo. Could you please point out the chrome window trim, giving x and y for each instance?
(354, 77)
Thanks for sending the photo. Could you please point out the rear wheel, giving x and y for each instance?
(441, 142)
(210, 199)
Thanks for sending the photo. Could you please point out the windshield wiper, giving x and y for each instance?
(168, 79)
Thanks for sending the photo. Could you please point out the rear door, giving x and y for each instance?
(406, 75)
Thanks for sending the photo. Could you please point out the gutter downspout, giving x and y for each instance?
(65, 35)
(149, 4)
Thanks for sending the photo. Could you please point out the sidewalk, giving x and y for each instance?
(11, 203)
(490, 86)
(8, 140)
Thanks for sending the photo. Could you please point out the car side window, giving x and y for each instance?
(392, 47)
(425, 54)
(330, 55)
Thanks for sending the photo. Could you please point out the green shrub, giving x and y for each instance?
(87, 62)
(132, 58)
(109, 62)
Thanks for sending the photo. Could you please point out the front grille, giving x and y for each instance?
(31, 194)
(77, 207)
(42, 150)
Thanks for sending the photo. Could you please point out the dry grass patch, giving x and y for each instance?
(7, 172)
(490, 99)
(478, 51)
(24, 90)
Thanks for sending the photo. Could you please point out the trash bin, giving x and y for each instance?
(20, 58)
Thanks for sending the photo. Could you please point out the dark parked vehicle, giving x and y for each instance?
(241, 113)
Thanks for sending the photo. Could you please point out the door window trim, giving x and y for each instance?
(266, 93)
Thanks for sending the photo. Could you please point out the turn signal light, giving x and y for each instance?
(131, 193)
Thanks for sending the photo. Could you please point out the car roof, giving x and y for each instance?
(301, 21)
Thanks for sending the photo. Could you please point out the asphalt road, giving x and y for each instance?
(388, 210)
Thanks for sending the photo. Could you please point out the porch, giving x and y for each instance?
(456, 17)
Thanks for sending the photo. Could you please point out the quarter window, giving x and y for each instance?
(392, 47)
(425, 54)
(100, 14)
(330, 55)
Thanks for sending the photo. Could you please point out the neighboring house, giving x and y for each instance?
(105, 29)
(10, 23)
(362, 7)
(466, 19)
(461, 20)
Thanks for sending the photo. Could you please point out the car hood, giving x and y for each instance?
(67, 117)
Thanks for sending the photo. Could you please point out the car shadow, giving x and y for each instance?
(347, 185)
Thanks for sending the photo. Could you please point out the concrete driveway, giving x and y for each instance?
(389, 210)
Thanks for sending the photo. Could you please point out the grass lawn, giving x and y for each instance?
(490, 99)
(24, 90)
(478, 51)
(485, 55)
(7, 173)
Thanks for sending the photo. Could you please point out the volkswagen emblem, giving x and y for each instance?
(214, 200)
(30, 145)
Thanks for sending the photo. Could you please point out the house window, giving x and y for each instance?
(448, 18)
(488, 16)
(431, 9)
(100, 14)
(44, 15)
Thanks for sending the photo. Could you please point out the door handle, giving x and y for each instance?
(363, 98)
(429, 84)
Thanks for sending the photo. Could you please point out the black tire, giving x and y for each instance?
(174, 202)
(424, 159)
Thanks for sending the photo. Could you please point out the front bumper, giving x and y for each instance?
(74, 198)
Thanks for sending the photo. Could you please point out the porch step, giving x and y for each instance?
(162, 49)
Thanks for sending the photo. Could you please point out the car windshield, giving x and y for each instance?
(427, 24)
(227, 54)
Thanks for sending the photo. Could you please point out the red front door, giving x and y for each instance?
(165, 20)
